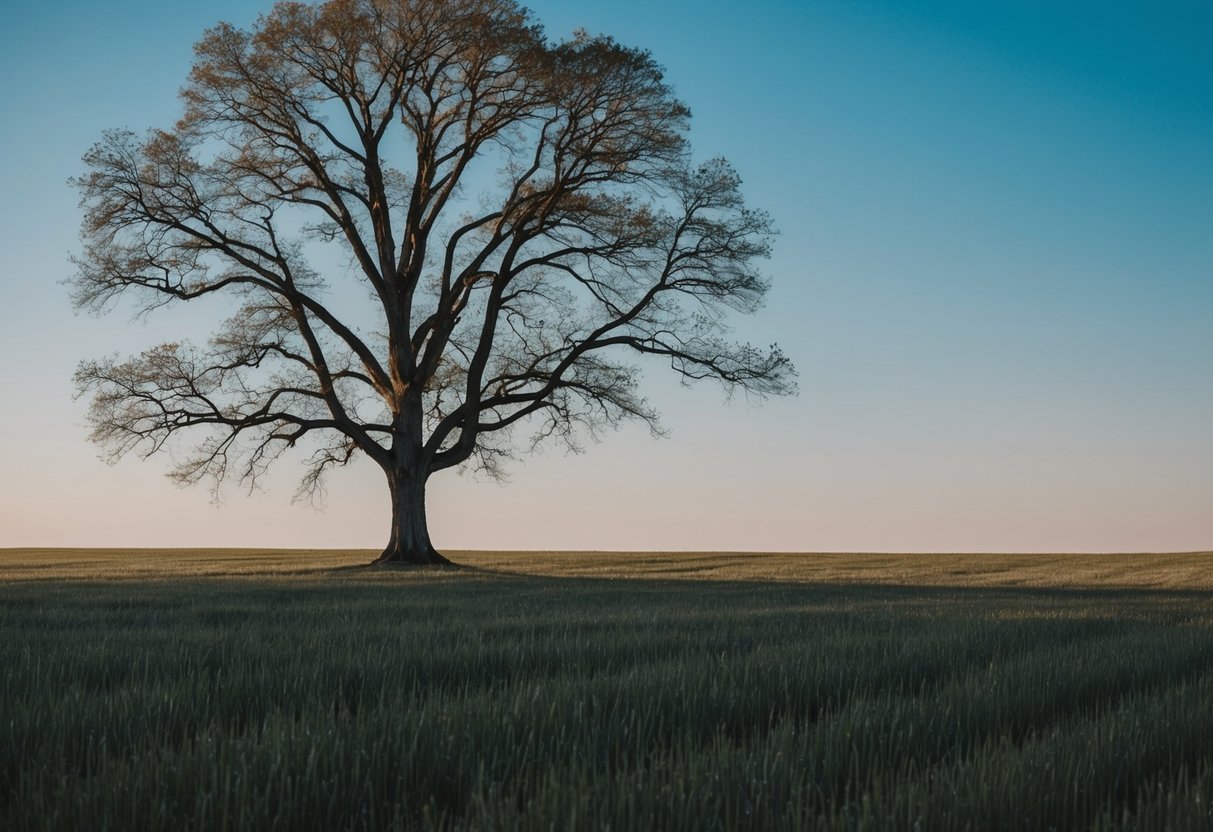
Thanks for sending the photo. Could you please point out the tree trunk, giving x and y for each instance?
(410, 538)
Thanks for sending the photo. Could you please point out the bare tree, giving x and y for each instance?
(521, 215)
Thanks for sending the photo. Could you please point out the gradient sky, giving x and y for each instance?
(995, 275)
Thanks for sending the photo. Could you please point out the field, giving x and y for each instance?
(215, 690)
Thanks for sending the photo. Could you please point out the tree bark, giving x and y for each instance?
(409, 542)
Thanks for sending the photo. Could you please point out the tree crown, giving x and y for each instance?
(522, 214)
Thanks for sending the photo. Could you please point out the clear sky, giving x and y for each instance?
(995, 275)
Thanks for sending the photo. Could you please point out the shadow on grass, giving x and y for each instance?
(879, 590)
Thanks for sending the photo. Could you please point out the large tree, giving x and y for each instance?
(518, 216)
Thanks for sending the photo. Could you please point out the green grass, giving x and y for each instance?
(242, 690)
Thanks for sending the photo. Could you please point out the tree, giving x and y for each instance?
(520, 214)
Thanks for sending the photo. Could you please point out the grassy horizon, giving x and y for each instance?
(241, 689)
(1159, 570)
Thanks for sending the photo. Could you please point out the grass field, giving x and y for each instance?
(298, 690)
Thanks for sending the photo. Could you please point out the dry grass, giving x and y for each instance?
(1188, 570)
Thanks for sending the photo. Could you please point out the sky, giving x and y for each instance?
(994, 274)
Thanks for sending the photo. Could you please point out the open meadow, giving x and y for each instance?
(230, 689)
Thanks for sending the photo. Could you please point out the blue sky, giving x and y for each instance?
(995, 274)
